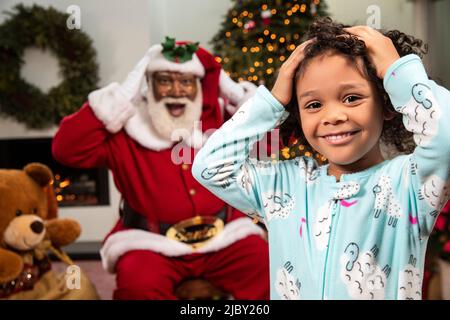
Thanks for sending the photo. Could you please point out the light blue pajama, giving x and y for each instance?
(363, 237)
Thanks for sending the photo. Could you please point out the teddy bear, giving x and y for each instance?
(29, 230)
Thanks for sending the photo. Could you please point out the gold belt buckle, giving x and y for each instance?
(195, 231)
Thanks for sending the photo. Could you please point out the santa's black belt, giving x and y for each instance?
(194, 231)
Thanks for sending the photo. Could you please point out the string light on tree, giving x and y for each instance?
(249, 25)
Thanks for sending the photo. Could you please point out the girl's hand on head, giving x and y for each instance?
(282, 89)
(381, 50)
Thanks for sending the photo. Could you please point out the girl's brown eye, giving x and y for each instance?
(18, 212)
(314, 105)
(351, 99)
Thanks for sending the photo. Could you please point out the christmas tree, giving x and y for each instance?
(256, 37)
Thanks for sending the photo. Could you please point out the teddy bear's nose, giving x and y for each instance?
(37, 227)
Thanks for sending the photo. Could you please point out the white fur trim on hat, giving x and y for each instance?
(121, 242)
(160, 63)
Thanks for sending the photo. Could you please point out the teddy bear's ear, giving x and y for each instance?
(44, 177)
(39, 173)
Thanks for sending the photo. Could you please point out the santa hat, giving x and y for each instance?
(183, 57)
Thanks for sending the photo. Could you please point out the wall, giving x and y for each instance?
(395, 14)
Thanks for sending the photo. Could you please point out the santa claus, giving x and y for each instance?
(170, 227)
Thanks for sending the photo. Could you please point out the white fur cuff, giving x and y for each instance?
(236, 93)
(111, 107)
(249, 91)
(229, 89)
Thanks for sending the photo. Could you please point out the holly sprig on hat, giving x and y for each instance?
(178, 53)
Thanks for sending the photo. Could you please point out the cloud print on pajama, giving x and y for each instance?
(322, 225)
(422, 114)
(277, 205)
(435, 192)
(221, 172)
(386, 202)
(410, 282)
(360, 273)
(245, 183)
(287, 287)
(244, 180)
(309, 172)
(406, 170)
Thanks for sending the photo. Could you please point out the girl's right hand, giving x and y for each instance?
(282, 89)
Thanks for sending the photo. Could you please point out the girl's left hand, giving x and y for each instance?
(380, 48)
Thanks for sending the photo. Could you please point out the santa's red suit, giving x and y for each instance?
(111, 131)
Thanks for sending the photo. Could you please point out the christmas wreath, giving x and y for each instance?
(45, 29)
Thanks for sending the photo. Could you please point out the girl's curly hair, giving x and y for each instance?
(329, 37)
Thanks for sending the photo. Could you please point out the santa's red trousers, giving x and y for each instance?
(241, 269)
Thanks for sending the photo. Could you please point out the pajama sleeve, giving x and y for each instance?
(426, 112)
(224, 166)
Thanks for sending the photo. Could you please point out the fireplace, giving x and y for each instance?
(73, 187)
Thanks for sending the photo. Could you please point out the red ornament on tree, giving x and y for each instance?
(266, 15)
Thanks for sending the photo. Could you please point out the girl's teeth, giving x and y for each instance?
(337, 137)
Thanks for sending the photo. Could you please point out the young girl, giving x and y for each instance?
(356, 228)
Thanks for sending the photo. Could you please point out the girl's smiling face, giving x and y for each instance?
(339, 112)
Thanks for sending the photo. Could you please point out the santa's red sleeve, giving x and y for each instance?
(81, 140)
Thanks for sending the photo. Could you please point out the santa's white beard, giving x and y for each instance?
(169, 127)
